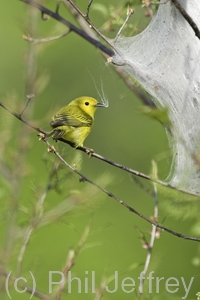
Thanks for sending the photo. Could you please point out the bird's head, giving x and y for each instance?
(87, 104)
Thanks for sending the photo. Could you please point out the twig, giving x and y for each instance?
(38, 294)
(142, 96)
(33, 224)
(23, 248)
(98, 156)
(176, 3)
(137, 173)
(71, 260)
(147, 5)
(29, 98)
(99, 293)
(130, 12)
(28, 289)
(187, 18)
(31, 71)
(150, 245)
(45, 40)
(58, 6)
(93, 26)
(142, 186)
(88, 35)
(73, 28)
(83, 178)
(107, 160)
(158, 3)
(30, 229)
(19, 117)
(131, 209)
(88, 9)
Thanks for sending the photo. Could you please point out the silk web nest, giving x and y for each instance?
(165, 60)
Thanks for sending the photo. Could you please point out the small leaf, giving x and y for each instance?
(161, 115)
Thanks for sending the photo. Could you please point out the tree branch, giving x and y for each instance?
(135, 172)
(72, 27)
(19, 117)
(187, 17)
(150, 245)
(88, 33)
(131, 209)
(71, 260)
(98, 156)
(28, 289)
(145, 99)
(83, 178)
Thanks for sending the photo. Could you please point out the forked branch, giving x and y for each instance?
(72, 27)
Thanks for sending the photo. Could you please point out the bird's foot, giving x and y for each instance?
(89, 151)
(42, 136)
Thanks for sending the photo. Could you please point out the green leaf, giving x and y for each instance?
(161, 115)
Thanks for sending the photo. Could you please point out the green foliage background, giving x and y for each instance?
(121, 133)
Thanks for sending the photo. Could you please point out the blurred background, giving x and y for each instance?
(46, 212)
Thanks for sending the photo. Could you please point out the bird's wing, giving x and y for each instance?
(70, 117)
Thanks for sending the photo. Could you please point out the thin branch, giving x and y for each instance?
(38, 294)
(98, 156)
(28, 289)
(35, 220)
(29, 98)
(58, 6)
(99, 292)
(23, 249)
(30, 229)
(176, 3)
(72, 27)
(131, 209)
(19, 117)
(85, 16)
(151, 243)
(135, 172)
(88, 8)
(130, 12)
(45, 40)
(187, 18)
(83, 178)
(142, 96)
(147, 5)
(72, 256)
(88, 35)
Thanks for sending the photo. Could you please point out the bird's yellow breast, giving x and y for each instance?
(75, 135)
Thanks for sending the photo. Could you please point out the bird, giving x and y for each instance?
(73, 122)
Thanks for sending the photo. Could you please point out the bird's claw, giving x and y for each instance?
(51, 149)
(89, 151)
(42, 136)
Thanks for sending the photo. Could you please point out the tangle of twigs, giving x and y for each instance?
(84, 178)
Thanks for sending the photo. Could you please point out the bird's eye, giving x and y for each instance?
(86, 103)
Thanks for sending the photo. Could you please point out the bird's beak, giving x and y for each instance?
(100, 105)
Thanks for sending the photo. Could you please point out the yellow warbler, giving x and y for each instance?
(73, 122)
